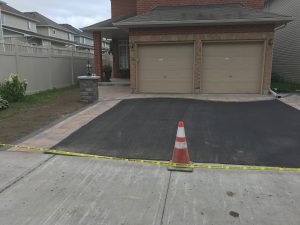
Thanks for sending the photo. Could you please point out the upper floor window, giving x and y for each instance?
(2, 18)
(69, 36)
(29, 25)
(53, 31)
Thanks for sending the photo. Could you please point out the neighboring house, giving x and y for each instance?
(190, 46)
(83, 39)
(286, 60)
(32, 29)
(49, 28)
(15, 25)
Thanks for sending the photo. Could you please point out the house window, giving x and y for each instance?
(123, 54)
(2, 18)
(29, 25)
(69, 36)
(53, 31)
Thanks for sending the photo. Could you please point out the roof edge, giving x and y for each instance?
(282, 20)
(45, 37)
(18, 15)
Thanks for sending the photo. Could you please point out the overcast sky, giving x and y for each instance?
(75, 12)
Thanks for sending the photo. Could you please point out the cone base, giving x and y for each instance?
(180, 169)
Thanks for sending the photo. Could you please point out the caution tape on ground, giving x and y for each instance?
(153, 162)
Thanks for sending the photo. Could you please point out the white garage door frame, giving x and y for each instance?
(140, 44)
(263, 42)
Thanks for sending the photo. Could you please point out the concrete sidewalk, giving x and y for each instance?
(61, 190)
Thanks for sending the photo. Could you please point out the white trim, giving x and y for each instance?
(180, 132)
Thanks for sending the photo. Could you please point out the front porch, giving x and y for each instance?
(119, 47)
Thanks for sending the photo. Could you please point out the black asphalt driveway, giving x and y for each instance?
(253, 133)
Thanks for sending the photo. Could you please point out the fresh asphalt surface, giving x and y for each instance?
(264, 133)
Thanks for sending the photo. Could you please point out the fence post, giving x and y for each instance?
(50, 66)
(17, 58)
(72, 64)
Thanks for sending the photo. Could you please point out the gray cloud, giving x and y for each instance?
(75, 12)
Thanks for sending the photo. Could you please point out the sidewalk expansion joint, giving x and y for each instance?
(15, 181)
(165, 200)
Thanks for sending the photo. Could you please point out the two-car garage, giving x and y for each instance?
(225, 67)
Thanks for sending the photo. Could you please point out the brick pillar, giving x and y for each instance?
(98, 53)
(115, 52)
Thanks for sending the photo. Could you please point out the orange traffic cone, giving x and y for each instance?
(181, 152)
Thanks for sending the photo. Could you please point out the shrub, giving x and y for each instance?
(3, 103)
(13, 89)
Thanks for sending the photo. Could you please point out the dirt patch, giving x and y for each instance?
(39, 115)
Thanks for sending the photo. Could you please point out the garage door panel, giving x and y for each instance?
(157, 86)
(232, 67)
(221, 49)
(230, 88)
(238, 74)
(166, 68)
(234, 62)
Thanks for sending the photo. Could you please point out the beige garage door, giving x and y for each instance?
(165, 68)
(232, 67)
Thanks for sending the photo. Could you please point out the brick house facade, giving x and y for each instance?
(200, 26)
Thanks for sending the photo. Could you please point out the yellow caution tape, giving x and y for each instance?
(154, 162)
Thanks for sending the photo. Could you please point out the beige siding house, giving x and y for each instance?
(31, 29)
(82, 39)
(19, 22)
(286, 63)
(51, 29)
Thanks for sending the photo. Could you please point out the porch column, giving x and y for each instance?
(98, 54)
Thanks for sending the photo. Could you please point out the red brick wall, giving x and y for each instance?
(201, 30)
(98, 53)
(146, 5)
(122, 7)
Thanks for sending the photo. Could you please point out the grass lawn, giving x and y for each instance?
(36, 111)
(31, 100)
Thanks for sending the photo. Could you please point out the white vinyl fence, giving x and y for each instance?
(44, 68)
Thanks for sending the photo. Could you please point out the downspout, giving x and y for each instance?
(274, 93)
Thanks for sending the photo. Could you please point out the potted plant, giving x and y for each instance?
(107, 72)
